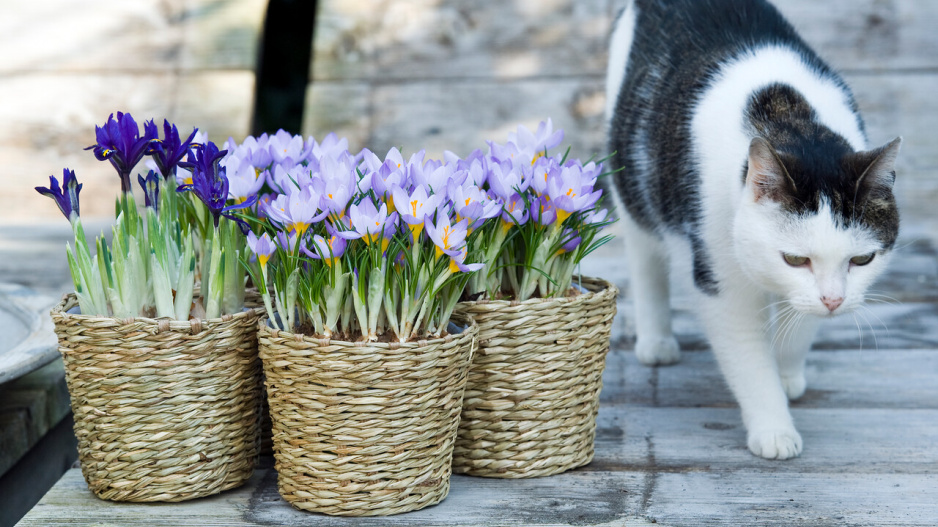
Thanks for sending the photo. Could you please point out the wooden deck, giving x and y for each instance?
(671, 448)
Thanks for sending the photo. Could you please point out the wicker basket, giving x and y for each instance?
(533, 390)
(364, 429)
(164, 410)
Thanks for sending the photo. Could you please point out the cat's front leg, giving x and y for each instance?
(648, 278)
(735, 325)
(791, 341)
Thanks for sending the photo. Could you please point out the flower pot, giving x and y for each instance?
(164, 410)
(533, 390)
(363, 429)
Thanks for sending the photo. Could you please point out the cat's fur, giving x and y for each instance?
(737, 146)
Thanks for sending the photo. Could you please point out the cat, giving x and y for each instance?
(739, 151)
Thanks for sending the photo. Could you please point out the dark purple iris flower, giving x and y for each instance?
(210, 184)
(119, 142)
(151, 189)
(169, 151)
(65, 197)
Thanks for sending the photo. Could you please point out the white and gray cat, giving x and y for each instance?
(743, 153)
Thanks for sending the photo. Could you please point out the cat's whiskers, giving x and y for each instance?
(872, 329)
(787, 320)
(880, 298)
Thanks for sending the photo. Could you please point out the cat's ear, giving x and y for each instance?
(878, 170)
(766, 175)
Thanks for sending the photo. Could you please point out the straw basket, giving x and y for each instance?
(533, 390)
(364, 429)
(165, 410)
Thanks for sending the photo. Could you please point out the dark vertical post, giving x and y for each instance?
(283, 66)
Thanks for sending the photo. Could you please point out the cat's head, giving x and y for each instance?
(817, 229)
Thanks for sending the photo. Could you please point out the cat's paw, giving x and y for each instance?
(794, 385)
(657, 351)
(775, 443)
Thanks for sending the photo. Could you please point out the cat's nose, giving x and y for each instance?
(832, 303)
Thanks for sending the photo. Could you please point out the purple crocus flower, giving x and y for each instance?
(169, 151)
(296, 211)
(66, 196)
(288, 149)
(326, 249)
(506, 180)
(542, 211)
(533, 145)
(415, 207)
(151, 189)
(367, 221)
(210, 184)
(573, 241)
(570, 191)
(243, 179)
(457, 262)
(262, 246)
(119, 142)
(514, 211)
(287, 242)
(447, 237)
(338, 184)
(470, 201)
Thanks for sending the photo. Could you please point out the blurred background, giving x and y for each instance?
(434, 74)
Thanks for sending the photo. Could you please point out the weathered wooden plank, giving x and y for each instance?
(376, 39)
(901, 104)
(146, 35)
(426, 39)
(575, 498)
(836, 379)
(103, 35)
(868, 34)
(221, 35)
(461, 116)
(848, 441)
(742, 498)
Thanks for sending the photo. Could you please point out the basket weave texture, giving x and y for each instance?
(364, 429)
(164, 410)
(533, 390)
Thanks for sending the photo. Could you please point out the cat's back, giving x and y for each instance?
(669, 66)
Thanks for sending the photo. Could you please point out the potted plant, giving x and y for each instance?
(533, 391)
(163, 374)
(360, 262)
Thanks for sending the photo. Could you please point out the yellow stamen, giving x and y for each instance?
(446, 233)
(571, 193)
(413, 207)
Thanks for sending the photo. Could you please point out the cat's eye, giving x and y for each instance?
(795, 261)
(863, 259)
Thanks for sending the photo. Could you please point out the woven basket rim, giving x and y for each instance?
(596, 286)
(471, 330)
(70, 300)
